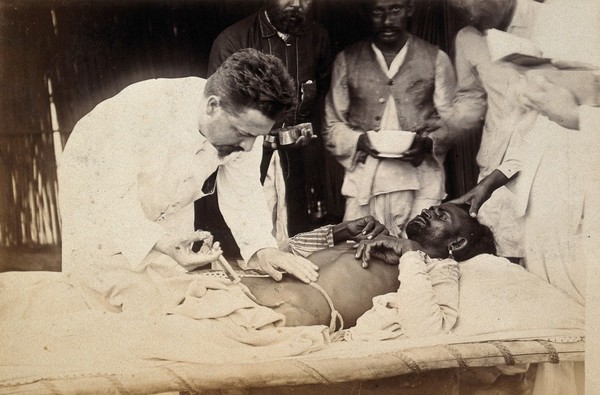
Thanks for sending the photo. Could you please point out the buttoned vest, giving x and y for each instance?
(412, 87)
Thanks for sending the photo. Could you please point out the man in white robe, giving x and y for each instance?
(134, 165)
(555, 172)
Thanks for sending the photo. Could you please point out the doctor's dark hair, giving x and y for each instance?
(252, 79)
(480, 237)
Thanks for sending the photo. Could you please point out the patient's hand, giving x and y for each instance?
(269, 260)
(365, 228)
(385, 248)
(180, 249)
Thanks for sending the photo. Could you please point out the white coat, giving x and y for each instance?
(132, 169)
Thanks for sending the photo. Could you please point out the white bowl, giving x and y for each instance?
(391, 142)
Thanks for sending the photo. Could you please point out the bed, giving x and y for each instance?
(507, 317)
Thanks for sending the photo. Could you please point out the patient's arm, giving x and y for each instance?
(304, 244)
(350, 287)
(425, 304)
(427, 299)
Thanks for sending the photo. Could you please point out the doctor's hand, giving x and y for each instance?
(365, 228)
(482, 192)
(180, 249)
(388, 249)
(271, 260)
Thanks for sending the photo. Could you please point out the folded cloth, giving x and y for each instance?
(55, 326)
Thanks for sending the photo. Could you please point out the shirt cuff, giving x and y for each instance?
(508, 170)
(410, 263)
(304, 244)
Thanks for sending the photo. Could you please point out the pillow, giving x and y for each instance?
(499, 296)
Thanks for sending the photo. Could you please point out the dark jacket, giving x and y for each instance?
(306, 56)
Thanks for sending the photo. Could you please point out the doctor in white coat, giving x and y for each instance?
(134, 165)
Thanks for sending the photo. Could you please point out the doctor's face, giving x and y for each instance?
(229, 132)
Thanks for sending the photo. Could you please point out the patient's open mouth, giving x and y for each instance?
(419, 219)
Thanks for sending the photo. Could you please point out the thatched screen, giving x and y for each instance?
(90, 50)
(28, 188)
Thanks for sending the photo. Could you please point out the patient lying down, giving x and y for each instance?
(410, 286)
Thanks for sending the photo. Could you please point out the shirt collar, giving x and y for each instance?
(396, 63)
(266, 28)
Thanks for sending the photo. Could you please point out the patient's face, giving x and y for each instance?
(435, 226)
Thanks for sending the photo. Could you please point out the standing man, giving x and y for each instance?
(285, 29)
(486, 93)
(554, 167)
(392, 80)
(135, 164)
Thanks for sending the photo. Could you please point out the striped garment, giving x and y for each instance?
(304, 244)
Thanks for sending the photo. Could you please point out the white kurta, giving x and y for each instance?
(132, 169)
(484, 84)
(391, 191)
(589, 124)
(553, 186)
(552, 161)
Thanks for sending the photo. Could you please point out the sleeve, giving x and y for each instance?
(434, 286)
(589, 119)
(445, 86)
(114, 209)
(516, 151)
(222, 48)
(340, 139)
(323, 76)
(135, 234)
(426, 303)
(304, 244)
(512, 163)
(470, 102)
(324, 64)
(242, 202)
(109, 211)
(589, 125)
